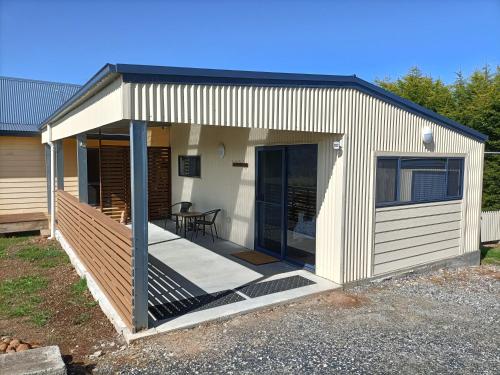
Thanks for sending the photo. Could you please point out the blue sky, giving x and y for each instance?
(69, 41)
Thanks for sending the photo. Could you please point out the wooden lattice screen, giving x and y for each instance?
(115, 181)
(159, 182)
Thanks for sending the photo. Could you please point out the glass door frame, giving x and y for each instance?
(258, 150)
(284, 202)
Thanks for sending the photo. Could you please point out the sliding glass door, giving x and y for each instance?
(301, 173)
(269, 200)
(286, 202)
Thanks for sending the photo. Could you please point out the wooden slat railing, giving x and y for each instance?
(103, 245)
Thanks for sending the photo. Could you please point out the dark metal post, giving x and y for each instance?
(81, 153)
(139, 200)
(47, 175)
(60, 164)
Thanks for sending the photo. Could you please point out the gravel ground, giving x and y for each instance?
(441, 322)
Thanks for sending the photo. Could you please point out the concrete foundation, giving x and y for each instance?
(464, 260)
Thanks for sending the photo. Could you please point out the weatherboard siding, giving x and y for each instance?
(409, 236)
(23, 186)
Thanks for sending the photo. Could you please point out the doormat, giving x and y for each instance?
(255, 257)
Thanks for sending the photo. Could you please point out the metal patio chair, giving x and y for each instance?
(184, 207)
(207, 219)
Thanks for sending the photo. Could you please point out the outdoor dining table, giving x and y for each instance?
(185, 217)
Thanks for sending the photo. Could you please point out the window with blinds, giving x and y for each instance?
(403, 180)
(189, 166)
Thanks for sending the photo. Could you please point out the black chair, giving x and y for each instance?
(184, 207)
(208, 219)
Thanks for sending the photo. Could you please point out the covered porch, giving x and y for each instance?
(152, 276)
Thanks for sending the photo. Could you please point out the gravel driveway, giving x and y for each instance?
(441, 322)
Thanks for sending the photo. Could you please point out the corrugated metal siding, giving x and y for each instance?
(369, 124)
(25, 103)
(490, 226)
(379, 126)
(299, 109)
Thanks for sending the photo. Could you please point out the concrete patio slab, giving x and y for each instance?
(242, 307)
(157, 234)
(193, 282)
(207, 270)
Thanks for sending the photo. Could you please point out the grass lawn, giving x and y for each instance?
(43, 300)
(22, 296)
(490, 255)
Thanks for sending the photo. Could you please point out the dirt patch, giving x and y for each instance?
(489, 271)
(67, 314)
(341, 300)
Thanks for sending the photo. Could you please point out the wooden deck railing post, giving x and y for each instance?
(139, 201)
(81, 153)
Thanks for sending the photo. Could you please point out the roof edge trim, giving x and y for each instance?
(101, 74)
(163, 74)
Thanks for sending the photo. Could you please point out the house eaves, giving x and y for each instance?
(175, 75)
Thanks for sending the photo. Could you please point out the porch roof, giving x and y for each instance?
(147, 74)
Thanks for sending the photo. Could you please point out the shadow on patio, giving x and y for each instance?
(200, 280)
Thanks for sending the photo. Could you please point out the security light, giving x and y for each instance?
(427, 137)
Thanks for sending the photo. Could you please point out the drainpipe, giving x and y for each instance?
(52, 184)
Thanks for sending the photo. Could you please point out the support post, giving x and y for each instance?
(52, 183)
(81, 152)
(139, 201)
(47, 176)
(60, 165)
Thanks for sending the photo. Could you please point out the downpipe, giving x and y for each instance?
(52, 185)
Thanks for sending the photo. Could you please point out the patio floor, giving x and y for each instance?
(194, 282)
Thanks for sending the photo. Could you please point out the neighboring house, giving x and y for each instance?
(24, 104)
(328, 172)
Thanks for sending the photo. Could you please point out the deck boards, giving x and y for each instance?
(24, 222)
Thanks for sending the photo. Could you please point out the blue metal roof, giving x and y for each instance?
(165, 74)
(25, 103)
